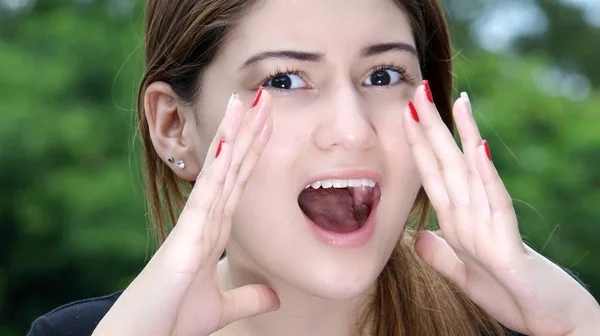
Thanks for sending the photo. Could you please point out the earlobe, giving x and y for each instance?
(166, 123)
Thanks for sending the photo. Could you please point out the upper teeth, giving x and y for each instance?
(341, 183)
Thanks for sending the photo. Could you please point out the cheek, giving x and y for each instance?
(403, 179)
(272, 180)
(392, 137)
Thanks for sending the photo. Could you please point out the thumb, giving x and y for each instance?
(436, 252)
(248, 301)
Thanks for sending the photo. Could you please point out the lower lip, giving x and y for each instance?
(357, 238)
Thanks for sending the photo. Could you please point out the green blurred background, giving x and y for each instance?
(73, 222)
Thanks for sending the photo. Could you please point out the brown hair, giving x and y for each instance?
(183, 36)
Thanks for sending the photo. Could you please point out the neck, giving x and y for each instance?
(299, 314)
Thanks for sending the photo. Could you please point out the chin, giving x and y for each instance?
(307, 266)
(329, 272)
(345, 281)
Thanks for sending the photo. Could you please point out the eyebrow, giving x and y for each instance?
(313, 57)
(381, 48)
(285, 54)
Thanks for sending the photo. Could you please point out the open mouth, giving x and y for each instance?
(340, 206)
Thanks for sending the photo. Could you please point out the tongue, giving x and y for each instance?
(334, 209)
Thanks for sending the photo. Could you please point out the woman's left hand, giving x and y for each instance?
(482, 250)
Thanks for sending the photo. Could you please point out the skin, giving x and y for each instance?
(246, 199)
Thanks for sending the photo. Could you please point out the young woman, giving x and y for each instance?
(316, 177)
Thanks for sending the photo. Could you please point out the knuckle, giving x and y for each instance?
(216, 177)
(242, 182)
(220, 182)
(505, 204)
(235, 167)
(430, 175)
(460, 202)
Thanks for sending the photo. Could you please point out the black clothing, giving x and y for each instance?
(80, 318)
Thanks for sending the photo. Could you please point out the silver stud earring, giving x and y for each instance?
(170, 159)
(180, 164)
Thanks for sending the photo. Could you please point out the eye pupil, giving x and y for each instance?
(281, 82)
(380, 77)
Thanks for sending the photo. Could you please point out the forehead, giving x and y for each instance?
(330, 26)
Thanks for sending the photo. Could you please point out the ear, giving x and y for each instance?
(168, 124)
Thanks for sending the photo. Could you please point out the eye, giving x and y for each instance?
(289, 80)
(384, 77)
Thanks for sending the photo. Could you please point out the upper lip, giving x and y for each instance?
(345, 174)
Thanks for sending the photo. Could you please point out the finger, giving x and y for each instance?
(254, 121)
(501, 208)
(445, 149)
(428, 168)
(436, 252)
(190, 237)
(251, 130)
(223, 142)
(233, 120)
(248, 166)
(232, 139)
(248, 301)
(470, 139)
(191, 233)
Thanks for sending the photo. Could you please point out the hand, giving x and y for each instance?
(482, 250)
(177, 292)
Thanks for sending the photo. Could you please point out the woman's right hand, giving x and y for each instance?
(177, 293)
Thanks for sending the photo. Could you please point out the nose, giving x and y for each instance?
(345, 123)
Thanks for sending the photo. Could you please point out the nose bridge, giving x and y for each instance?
(346, 122)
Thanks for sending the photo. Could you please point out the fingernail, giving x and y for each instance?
(465, 97)
(257, 98)
(413, 111)
(219, 148)
(428, 91)
(233, 97)
(487, 149)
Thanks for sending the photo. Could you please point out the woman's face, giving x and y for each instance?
(340, 73)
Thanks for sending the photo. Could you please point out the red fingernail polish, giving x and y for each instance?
(413, 111)
(487, 149)
(428, 91)
(257, 98)
(219, 148)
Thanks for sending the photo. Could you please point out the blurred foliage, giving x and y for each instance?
(71, 205)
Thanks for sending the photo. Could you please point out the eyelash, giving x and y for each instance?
(277, 73)
(406, 76)
(387, 66)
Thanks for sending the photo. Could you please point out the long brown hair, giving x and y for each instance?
(182, 37)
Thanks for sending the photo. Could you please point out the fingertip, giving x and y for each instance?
(233, 98)
(421, 94)
(265, 105)
(423, 243)
(275, 302)
(410, 120)
(461, 109)
(485, 166)
(484, 154)
(224, 150)
(486, 149)
(466, 100)
(262, 100)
